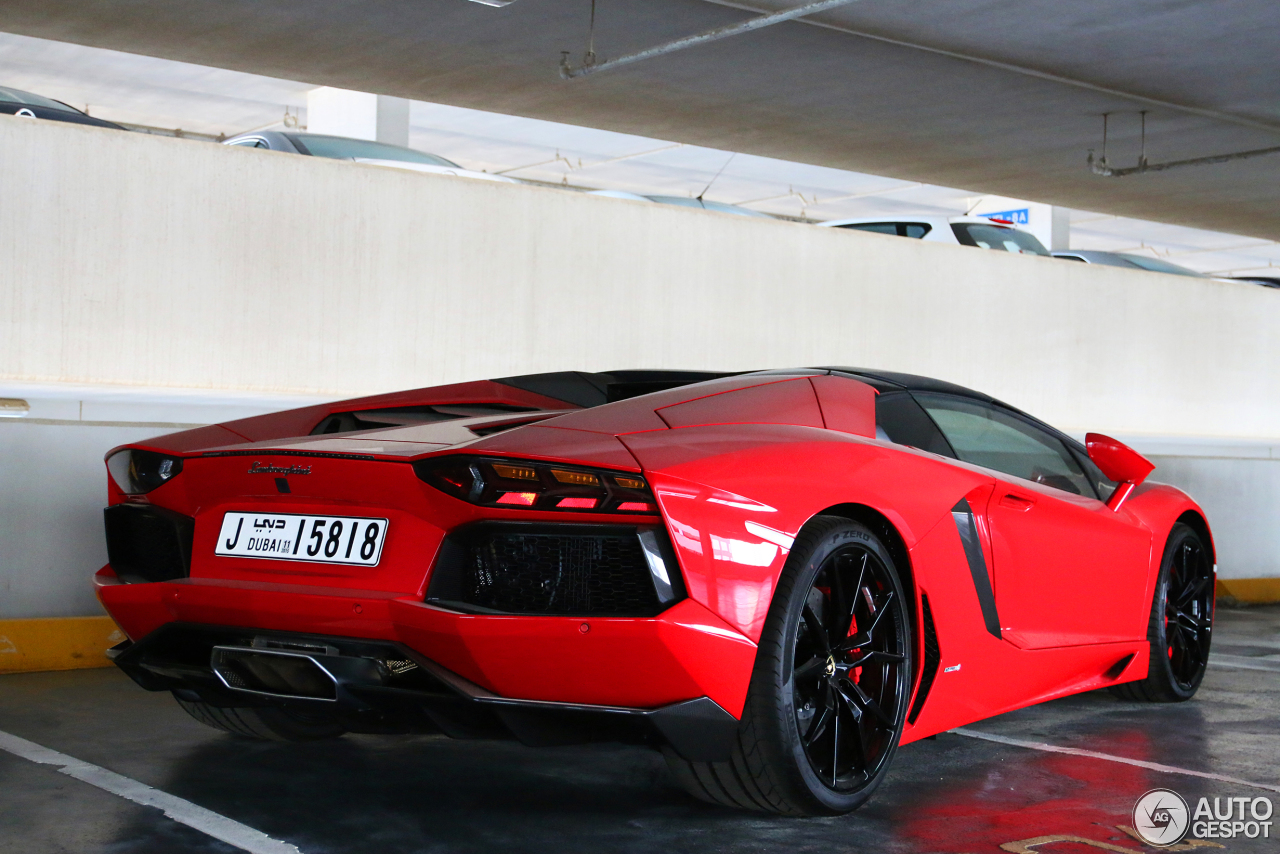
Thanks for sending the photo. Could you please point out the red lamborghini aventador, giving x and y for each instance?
(775, 578)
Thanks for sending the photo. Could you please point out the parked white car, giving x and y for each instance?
(360, 151)
(963, 230)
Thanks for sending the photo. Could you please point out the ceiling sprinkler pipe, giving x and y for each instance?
(568, 72)
(1100, 167)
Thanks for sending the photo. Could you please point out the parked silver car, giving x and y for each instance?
(359, 150)
(1124, 259)
(15, 102)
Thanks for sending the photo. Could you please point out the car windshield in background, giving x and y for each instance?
(342, 148)
(1157, 266)
(995, 237)
(17, 96)
(900, 229)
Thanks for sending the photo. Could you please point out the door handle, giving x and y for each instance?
(1017, 502)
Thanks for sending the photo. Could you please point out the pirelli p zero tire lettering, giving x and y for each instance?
(1181, 623)
(264, 724)
(831, 683)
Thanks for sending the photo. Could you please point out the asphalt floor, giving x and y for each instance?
(957, 794)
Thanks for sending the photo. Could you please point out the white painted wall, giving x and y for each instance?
(132, 260)
(1241, 496)
(150, 261)
(53, 484)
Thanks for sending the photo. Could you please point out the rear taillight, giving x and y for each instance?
(137, 472)
(522, 484)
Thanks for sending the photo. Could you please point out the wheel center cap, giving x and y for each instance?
(831, 665)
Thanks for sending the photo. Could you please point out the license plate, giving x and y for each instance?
(352, 540)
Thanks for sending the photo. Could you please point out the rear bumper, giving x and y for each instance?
(618, 667)
(413, 694)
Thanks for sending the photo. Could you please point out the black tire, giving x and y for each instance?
(1181, 623)
(791, 757)
(262, 723)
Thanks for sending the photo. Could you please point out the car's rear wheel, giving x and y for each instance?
(264, 723)
(831, 683)
(1181, 622)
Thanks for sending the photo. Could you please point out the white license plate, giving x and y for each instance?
(353, 540)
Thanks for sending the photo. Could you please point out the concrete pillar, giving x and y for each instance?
(1060, 228)
(393, 120)
(361, 115)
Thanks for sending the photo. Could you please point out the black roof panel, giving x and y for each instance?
(588, 389)
(594, 389)
(912, 382)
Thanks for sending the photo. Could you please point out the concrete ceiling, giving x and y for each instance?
(1002, 97)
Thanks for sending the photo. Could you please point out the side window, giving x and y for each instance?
(988, 436)
(877, 227)
(1101, 484)
(901, 420)
(901, 229)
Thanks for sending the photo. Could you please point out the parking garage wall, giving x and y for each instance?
(146, 262)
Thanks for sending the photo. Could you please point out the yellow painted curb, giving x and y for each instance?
(56, 643)
(1255, 591)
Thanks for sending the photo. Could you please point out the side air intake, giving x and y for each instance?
(932, 659)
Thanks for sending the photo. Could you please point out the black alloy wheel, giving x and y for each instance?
(1181, 624)
(832, 681)
(848, 675)
(1188, 613)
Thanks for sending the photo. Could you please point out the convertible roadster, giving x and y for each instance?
(775, 578)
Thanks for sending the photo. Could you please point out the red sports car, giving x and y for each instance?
(775, 578)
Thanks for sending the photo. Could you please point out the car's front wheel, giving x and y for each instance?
(831, 683)
(263, 723)
(1181, 622)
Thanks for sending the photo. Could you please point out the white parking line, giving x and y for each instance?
(1243, 662)
(1075, 751)
(206, 821)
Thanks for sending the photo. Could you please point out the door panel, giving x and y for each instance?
(1068, 571)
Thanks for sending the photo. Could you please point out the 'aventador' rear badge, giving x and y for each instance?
(259, 468)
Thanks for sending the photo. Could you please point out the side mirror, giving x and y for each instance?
(1120, 463)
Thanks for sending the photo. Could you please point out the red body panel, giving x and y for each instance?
(733, 539)
(847, 407)
(682, 654)
(980, 675)
(300, 422)
(738, 466)
(1054, 554)
(783, 402)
